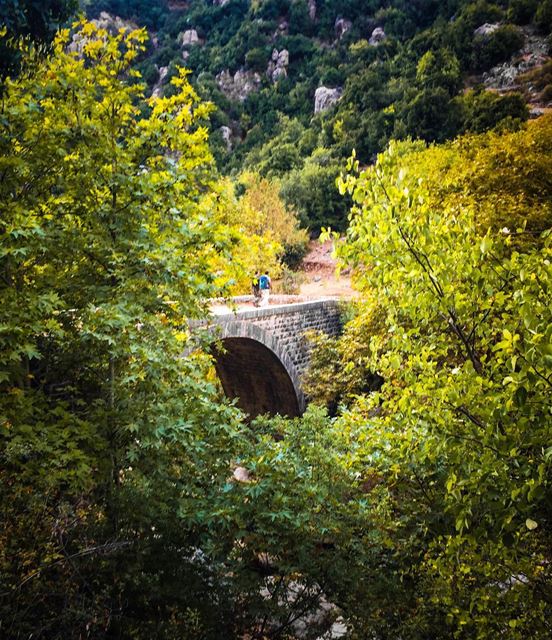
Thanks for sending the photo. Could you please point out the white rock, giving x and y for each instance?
(283, 58)
(157, 90)
(341, 26)
(325, 98)
(226, 133)
(312, 10)
(486, 29)
(378, 35)
(279, 72)
(188, 38)
(112, 24)
(240, 85)
(504, 76)
(241, 474)
(277, 67)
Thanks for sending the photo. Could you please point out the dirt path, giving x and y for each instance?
(320, 279)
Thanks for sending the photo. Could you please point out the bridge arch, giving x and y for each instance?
(254, 368)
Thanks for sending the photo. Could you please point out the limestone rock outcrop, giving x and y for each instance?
(486, 30)
(341, 26)
(239, 85)
(281, 30)
(505, 77)
(188, 38)
(277, 66)
(226, 134)
(378, 36)
(112, 24)
(157, 90)
(325, 98)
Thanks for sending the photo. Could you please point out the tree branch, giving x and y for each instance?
(105, 548)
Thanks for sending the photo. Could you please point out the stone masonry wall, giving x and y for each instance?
(263, 345)
(288, 325)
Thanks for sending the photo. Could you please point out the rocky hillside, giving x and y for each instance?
(299, 84)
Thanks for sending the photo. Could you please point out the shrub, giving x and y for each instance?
(290, 283)
(497, 47)
(522, 11)
(543, 18)
(257, 59)
(431, 115)
(483, 110)
(294, 251)
(312, 191)
(546, 95)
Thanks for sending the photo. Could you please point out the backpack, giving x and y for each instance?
(264, 282)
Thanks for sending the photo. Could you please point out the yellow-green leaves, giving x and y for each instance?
(447, 247)
(531, 524)
(107, 241)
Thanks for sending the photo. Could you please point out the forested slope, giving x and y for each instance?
(383, 70)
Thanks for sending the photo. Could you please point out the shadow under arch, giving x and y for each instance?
(254, 369)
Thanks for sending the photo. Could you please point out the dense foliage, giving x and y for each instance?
(135, 502)
(452, 250)
(104, 426)
(264, 232)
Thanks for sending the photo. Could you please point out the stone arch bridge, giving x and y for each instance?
(264, 353)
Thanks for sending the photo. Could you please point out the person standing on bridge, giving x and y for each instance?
(264, 286)
(255, 289)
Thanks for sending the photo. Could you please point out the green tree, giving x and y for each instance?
(257, 59)
(431, 115)
(522, 11)
(481, 110)
(439, 69)
(312, 192)
(282, 152)
(459, 434)
(271, 218)
(34, 20)
(107, 433)
(263, 231)
(502, 176)
(339, 368)
(134, 502)
(496, 47)
(543, 17)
